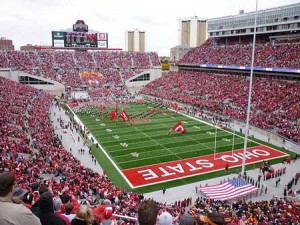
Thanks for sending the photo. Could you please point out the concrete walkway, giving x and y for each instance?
(74, 141)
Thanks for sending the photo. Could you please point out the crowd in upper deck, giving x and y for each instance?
(238, 51)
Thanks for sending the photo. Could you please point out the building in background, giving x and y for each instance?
(192, 32)
(177, 52)
(30, 47)
(135, 41)
(6, 44)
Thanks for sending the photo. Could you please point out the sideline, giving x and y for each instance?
(90, 136)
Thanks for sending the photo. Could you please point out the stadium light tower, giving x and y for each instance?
(249, 94)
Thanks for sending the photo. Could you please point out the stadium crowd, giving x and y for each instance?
(237, 51)
(227, 95)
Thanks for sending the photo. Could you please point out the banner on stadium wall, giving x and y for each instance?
(255, 68)
(90, 74)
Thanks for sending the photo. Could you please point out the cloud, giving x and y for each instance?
(31, 21)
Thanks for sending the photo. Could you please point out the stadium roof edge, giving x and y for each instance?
(259, 11)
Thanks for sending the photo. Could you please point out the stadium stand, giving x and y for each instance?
(227, 95)
(65, 66)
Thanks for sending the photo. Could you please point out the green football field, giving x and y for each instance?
(147, 142)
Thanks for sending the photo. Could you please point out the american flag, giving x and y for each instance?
(229, 189)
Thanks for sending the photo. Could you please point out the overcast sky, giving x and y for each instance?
(31, 21)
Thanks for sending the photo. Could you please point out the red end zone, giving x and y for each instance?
(158, 173)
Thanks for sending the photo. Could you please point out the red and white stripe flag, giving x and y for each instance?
(124, 116)
(228, 190)
(178, 127)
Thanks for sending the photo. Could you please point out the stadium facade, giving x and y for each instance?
(274, 20)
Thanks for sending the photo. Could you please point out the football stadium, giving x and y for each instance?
(89, 133)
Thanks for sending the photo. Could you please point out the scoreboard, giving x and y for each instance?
(73, 39)
(79, 37)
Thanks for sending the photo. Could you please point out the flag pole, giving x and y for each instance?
(215, 144)
(233, 141)
(249, 94)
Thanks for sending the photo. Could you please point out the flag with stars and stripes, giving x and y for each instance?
(229, 189)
